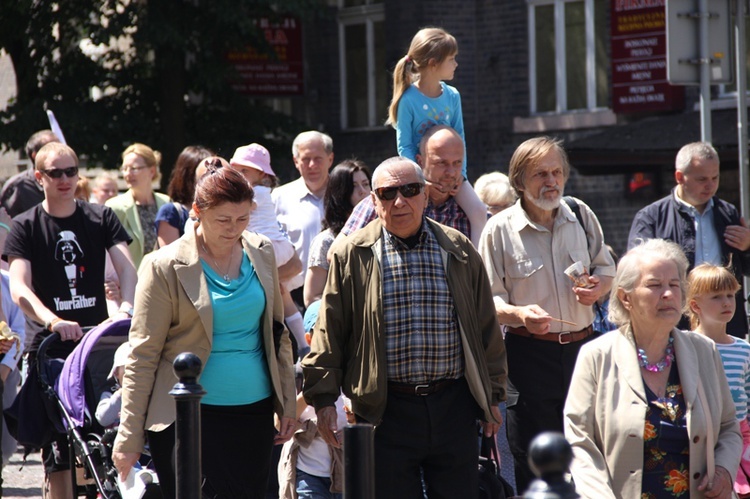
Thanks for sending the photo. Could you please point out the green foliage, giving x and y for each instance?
(176, 49)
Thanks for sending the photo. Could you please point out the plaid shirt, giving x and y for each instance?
(421, 327)
(449, 213)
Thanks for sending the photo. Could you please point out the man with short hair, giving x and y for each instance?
(441, 156)
(105, 187)
(407, 331)
(56, 252)
(708, 229)
(299, 204)
(526, 250)
(22, 191)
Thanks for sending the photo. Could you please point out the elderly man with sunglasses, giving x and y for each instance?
(441, 156)
(408, 332)
(56, 252)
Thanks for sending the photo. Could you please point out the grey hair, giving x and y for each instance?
(382, 167)
(629, 273)
(311, 136)
(494, 189)
(694, 150)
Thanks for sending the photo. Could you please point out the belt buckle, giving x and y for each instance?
(560, 338)
(418, 387)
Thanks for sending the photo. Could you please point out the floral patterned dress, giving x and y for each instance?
(666, 444)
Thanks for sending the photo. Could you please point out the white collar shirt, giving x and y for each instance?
(300, 214)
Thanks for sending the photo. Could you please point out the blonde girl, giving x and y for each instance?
(421, 100)
(710, 305)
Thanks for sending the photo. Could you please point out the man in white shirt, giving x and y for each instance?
(526, 250)
(299, 204)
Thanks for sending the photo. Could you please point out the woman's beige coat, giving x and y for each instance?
(605, 414)
(173, 314)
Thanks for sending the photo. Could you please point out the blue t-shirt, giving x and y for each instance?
(174, 214)
(417, 113)
(236, 372)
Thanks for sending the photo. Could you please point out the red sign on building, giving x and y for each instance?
(639, 58)
(277, 72)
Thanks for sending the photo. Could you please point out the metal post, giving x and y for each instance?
(359, 462)
(187, 394)
(550, 456)
(741, 55)
(705, 70)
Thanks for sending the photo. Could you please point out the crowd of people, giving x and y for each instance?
(401, 296)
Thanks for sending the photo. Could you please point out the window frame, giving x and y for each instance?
(368, 15)
(561, 89)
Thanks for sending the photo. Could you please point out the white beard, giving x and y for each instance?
(543, 203)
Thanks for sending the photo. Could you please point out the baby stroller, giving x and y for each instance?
(76, 392)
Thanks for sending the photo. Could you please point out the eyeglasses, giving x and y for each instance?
(126, 169)
(408, 191)
(57, 173)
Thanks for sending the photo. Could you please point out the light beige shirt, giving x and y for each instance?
(526, 262)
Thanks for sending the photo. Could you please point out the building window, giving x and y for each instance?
(364, 78)
(568, 57)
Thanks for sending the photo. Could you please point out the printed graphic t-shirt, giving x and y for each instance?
(67, 257)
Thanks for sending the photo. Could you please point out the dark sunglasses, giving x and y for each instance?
(408, 191)
(56, 173)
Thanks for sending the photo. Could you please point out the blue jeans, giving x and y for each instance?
(314, 487)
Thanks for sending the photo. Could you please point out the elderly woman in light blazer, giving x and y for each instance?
(635, 415)
(214, 292)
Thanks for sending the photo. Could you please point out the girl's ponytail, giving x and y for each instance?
(401, 81)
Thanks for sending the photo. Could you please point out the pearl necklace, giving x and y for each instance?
(226, 277)
(664, 363)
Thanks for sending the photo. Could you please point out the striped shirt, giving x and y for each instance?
(421, 327)
(736, 359)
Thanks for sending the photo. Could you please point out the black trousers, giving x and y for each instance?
(539, 374)
(236, 444)
(433, 435)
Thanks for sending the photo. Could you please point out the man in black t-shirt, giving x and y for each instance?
(56, 252)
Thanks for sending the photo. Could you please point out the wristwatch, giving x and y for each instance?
(128, 311)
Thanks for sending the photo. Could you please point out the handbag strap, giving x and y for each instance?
(488, 449)
(711, 465)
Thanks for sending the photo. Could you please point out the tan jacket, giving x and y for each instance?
(127, 212)
(348, 346)
(173, 315)
(606, 410)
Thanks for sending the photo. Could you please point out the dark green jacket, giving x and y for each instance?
(348, 346)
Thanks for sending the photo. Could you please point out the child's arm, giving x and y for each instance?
(474, 208)
(407, 143)
(108, 409)
(457, 122)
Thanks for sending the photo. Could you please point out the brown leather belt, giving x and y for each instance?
(421, 390)
(561, 338)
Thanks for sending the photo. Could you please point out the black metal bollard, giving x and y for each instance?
(550, 456)
(359, 462)
(187, 394)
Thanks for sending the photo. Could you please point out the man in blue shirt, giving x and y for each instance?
(707, 228)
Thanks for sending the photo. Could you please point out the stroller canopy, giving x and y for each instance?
(70, 386)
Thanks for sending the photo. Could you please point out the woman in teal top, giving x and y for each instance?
(214, 292)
